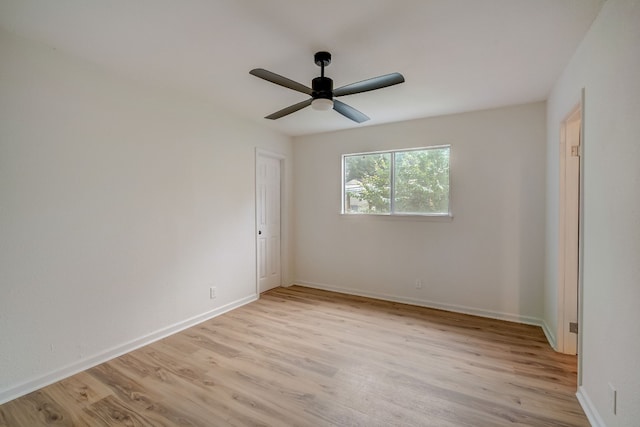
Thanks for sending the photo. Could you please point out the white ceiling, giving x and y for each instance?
(456, 55)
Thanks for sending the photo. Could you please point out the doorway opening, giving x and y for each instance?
(569, 232)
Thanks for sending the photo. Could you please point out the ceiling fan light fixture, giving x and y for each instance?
(322, 104)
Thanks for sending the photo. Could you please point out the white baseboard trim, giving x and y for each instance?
(89, 362)
(551, 337)
(529, 320)
(589, 409)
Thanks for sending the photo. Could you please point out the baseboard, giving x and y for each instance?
(529, 320)
(551, 337)
(89, 362)
(589, 409)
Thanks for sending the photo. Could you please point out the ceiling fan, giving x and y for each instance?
(322, 91)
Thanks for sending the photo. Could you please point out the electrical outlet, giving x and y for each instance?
(212, 292)
(613, 398)
(418, 284)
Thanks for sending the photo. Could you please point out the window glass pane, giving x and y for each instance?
(422, 181)
(367, 183)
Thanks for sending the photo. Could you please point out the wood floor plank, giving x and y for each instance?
(308, 357)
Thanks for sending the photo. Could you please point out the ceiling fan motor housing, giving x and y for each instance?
(322, 88)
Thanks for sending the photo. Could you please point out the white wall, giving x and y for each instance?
(607, 65)
(488, 260)
(120, 205)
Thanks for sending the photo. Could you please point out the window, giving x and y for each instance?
(401, 182)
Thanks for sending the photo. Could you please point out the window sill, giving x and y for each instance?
(398, 217)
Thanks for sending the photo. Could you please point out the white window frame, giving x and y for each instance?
(391, 214)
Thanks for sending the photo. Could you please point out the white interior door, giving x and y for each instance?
(268, 221)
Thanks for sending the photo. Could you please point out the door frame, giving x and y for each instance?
(260, 152)
(577, 112)
(581, 235)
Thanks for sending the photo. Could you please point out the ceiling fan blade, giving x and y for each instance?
(279, 80)
(290, 109)
(370, 84)
(349, 112)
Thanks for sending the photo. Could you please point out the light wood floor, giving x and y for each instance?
(306, 357)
